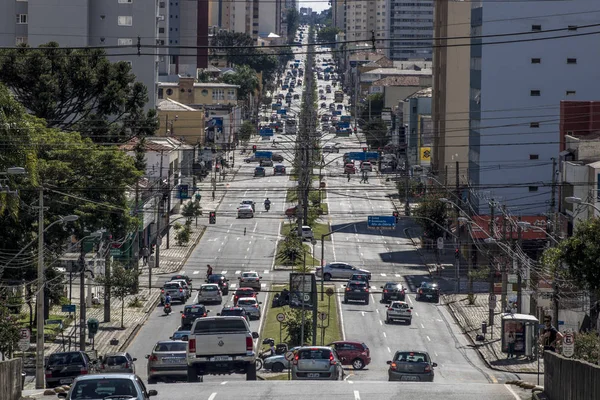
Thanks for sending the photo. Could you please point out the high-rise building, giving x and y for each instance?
(88, 23)
(365, 20)
(253, 17)
(450, 100)
(515, 94)
(338, 14)
(410, 27)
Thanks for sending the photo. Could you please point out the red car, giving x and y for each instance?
(356, 354)
(243, 292)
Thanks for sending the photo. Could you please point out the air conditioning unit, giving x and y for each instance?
(160, 17)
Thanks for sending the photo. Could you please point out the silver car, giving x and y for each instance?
(250, 279)
(209, 293)
(278, 363)
(186, 288)
(340, 270)
(118, 363)
(318, 363)
(251, 305)
(167, 361)
(411, 366)
(103, 386)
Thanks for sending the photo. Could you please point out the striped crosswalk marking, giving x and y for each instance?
(397, 275)
(383, 275)
(238, 272)
(224, 272)
(263, 285)
(266, 271)
(233, 286)
(196, 272)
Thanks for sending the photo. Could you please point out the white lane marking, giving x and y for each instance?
(219, 249)
(409, 300)
(248, 249)
(383, 275)
(266, 271)
(238, 272)
(435, 353)
(263, 285)
(227, 230)
(416, 314)
(428, 338)
(224, 382)
(389, 350)
(356, 395)
(233, 286)
(377, 311)
(516, 396)
(255, 226)
(212, 396)
(196, 272)
(422, 326)
(372, 298)
(397, 275)
(361, 254)
(346, 377)
(384, 335)
(381, 322)
(224, 272)
(363, 313)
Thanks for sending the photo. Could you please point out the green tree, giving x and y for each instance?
(580, 253)
(9, 332)
(192, 209)
(327, 34)
(373, 111)
(292, 18)
(246, 131)
(431, 215)
(376, 132)
(246, 78)
(237, 48)
(78, 90)
(293, 326)
(184, 232)
(122, 283)
(291, 249)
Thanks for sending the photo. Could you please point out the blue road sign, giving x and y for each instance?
(337, 112)
(70, 308)
(381, 222)
(371, 155)
(266, 131)
(184, 192)
(264, 155)
(357, 156)
(282, 111)
(275, 106)
(343, 125)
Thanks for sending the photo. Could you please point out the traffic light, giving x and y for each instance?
(364, 149)
(457, 253)
(93, 325)
(396, 215)
(212, 218)
(254, 149)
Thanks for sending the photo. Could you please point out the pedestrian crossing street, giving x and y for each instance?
(234, 285)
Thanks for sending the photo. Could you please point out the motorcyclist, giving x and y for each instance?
(267, 203)
(168, 300)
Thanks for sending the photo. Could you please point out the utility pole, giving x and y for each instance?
(456, 222)
(107, 286)
(406, 183)
(82, 308)
(519, 270)
(158, 218)
(503, 265)
(168, 207)
(553, 231)
(136, 241)
(39, 301)
(492, 267)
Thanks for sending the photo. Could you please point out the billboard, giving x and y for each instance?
(425, 157)
(303, 291)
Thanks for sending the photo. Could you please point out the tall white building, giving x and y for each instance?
(515, 94)
(365, 19)
(410, 27)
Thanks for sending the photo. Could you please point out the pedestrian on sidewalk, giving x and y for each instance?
(510, 340)
(550, 335)
(145, 254)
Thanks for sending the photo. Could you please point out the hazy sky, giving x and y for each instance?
(317, 6)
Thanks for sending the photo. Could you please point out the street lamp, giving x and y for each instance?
(39, 301)
(579, 200)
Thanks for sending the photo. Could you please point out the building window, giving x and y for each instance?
(21, 18)
(21, 40)
(571, 93)
(125, 20)
(218, 94)
(533, 188)
(535, 93)
(536, 60)
(125, 42)
(169, 92)
(125, 1)
(160, 93)
(534, 124)
(231, 94)
(536, 28)
(571, 61)
(534, 156)
(161, 4)
(161, 30)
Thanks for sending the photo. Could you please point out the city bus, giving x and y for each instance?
(338, 96)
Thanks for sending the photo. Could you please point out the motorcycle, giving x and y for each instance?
(167, 309)
(267, 206)
(263, 355)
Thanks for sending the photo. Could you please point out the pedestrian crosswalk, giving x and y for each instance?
(224, 272)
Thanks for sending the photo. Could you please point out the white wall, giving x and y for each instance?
(507, 107)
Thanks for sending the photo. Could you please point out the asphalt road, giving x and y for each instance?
(276, 390)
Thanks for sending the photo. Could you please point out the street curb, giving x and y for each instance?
(133, 334)
(476, 346)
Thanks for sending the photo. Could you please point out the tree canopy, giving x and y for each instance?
(376, 132)
(431, 215)
(78, 177)
(327, 34)
(246, 78)
(293, 21)
(78, 90)
(580, 254)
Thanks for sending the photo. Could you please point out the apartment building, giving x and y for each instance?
(88, 23)
(515, 94)
(450, 100)
(410, 29)
(338, 14)
(254, 17)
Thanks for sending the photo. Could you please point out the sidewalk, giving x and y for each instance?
(171, 261)
(470, 317)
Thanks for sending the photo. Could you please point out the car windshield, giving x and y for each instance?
(232, 312)
(172, 286)
(65, 358)
(194, 310)
(115, 360)
(170, 346)
(357, 285)
(209, 288)
(249, 275)
(103, 387)
(246, 302)
(399, 306)
(212, 326)
(314, 354)
(391, 286)
(244, 293)
(215, 278)
(409, 356)
(181, 335)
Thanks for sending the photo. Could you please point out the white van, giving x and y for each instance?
(307, 232)
(245, 211)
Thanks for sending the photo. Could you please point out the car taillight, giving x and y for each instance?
(296, 360)
(182, 315)
(48, 374)
(420, 291)
(192, 345)
(408, 310)
(83, 371)
(348, 289)
(126, 365)
(385, 291)
(331, 359)
(153, 358)
(427, 368)
(180, 290)
(162, 291)
(366, 289)
(393, 366)
(249, 343)
(204, 315)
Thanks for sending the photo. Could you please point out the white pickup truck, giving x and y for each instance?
(220, 346)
